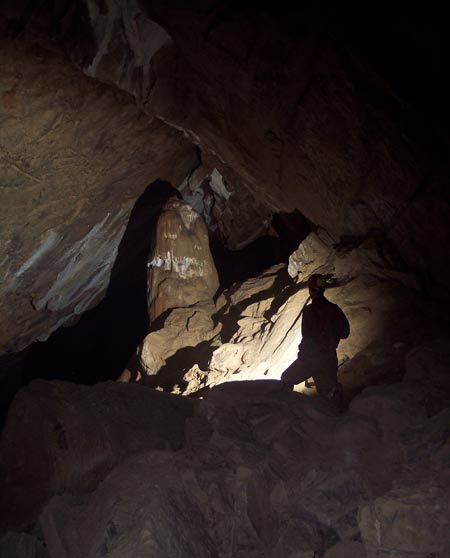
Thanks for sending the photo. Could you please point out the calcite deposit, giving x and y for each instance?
(181, 270)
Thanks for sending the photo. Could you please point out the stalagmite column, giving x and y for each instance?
(181, 270)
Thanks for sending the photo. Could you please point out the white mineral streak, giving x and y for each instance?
(87, 270)
(188, 134)
(103, 27)
(51, 239)
(143, 37)
(184, 266)
(218, 185)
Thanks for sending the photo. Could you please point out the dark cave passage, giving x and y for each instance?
(99, 345)
(289, 230)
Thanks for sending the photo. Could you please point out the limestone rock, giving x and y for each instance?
(21, 545)
(66, 141)
(413, 518)
(237, 487)
(311, 256)
(346, 550)
(71, 436)
(176, 347)
(411, 521)
(260, 330)
(181, 268)
(305, 129)
(394, 407)
(225, 203)
(262, 473)
(429, 364)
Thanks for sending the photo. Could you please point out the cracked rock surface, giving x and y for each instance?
(75, 155)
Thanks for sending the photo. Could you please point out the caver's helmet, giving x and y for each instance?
(317, 282)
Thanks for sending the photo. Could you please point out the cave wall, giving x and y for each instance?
(292, 107)
(246, 114)
(75, 156)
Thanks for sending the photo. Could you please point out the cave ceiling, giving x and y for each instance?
(264, 110)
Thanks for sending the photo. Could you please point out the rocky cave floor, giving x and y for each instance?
(119, 469)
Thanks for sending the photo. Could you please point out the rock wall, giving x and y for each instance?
(291, 120)
(75, 155)
(280, 120)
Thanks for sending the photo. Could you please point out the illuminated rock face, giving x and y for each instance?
(75, 156)
(181, 270)
(281, 123)
(253, 330)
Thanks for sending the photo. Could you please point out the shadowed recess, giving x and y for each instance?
(99, 345)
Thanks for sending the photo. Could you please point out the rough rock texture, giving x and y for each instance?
(169, 351)
(413, 519)
(236, 490)
(21, 545)
(281, 120)
(264, 474)
(233, 213)
(250, 332)
(253, 331)
(181, 268)
(61, 437)
(75, 155)
(293, 117)
(308, 126)
(314, 147)
(346, 550)
(261, 473)
(370, 256)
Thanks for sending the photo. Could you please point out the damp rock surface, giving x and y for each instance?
(265, 473)
(21, 545)
(63, 437)
(74, 157)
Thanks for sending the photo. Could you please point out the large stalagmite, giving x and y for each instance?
(181, 268)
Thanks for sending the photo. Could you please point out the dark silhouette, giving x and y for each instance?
(323, 326)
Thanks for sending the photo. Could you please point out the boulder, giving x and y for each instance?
(262, 473)
(346, 550)
(394, 407)
(409, 521)
(61, 437)
(21, 545)
(413, 517)
(312, 256)
(180, 344)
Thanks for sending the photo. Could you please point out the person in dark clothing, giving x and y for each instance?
(324, 324)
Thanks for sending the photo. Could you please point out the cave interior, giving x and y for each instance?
(172, 175)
